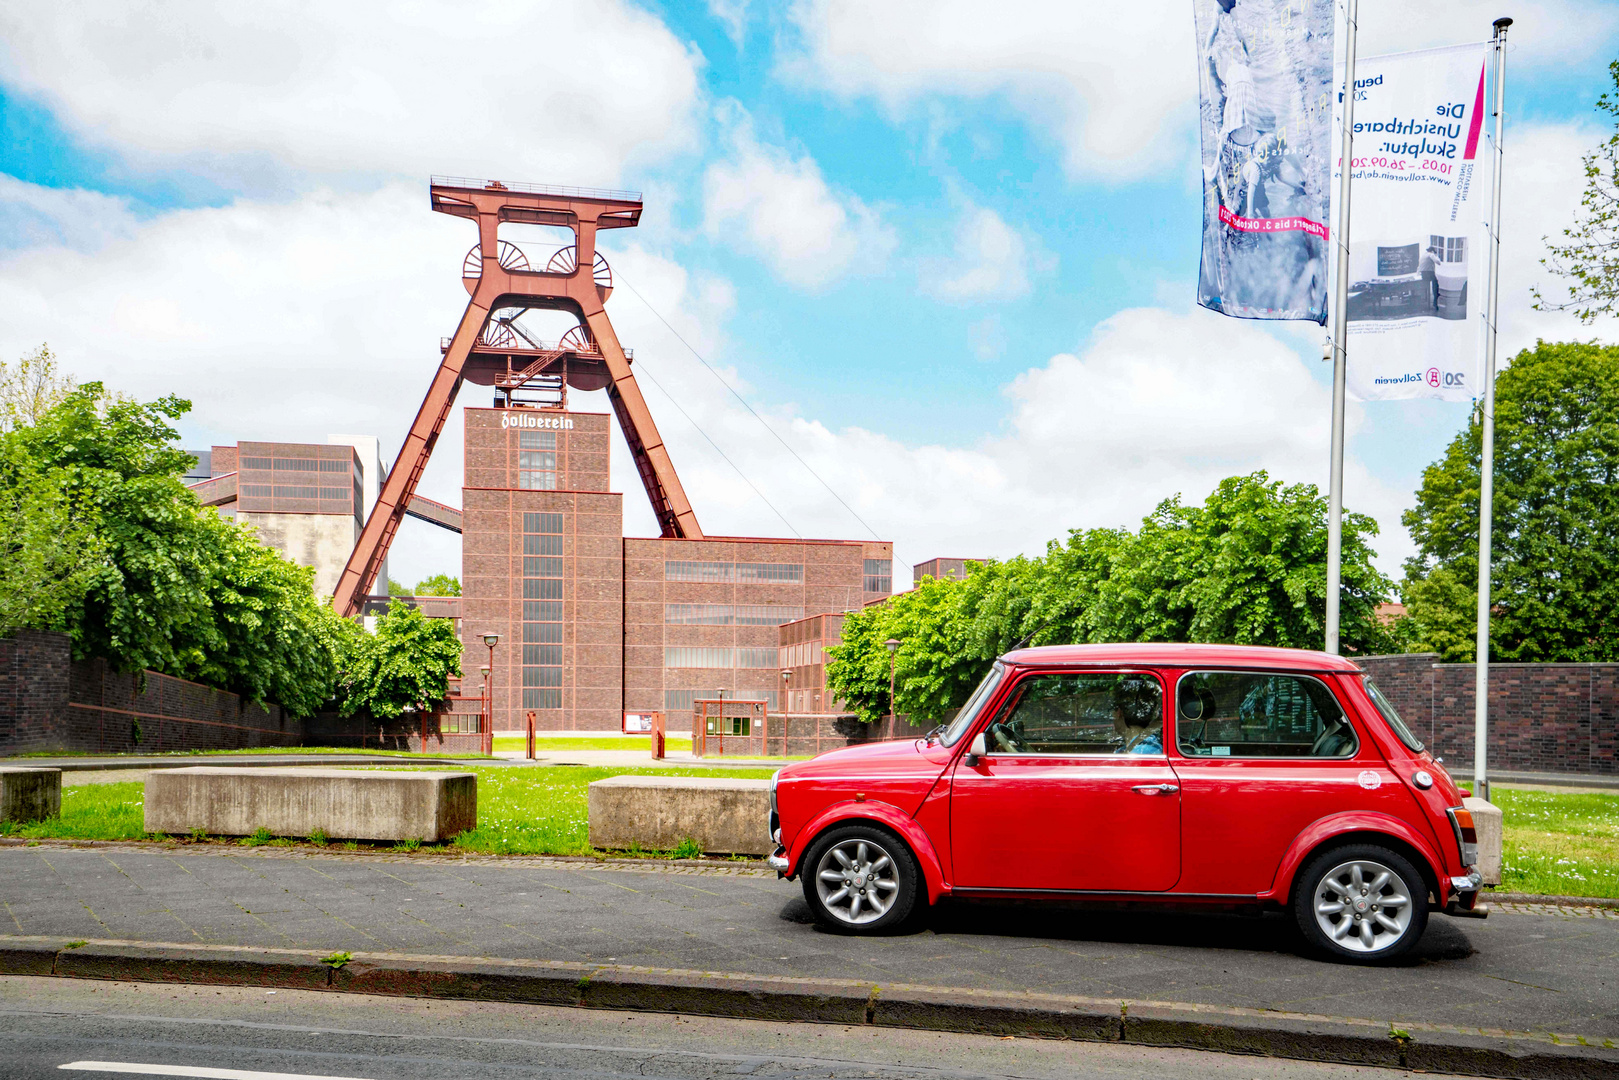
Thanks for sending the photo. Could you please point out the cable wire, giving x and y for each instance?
(763, 423)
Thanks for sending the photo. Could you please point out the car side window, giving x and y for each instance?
(1081, 713)
(1260, 714)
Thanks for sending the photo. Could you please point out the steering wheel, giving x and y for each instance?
(1003, 737)
(1199, 707)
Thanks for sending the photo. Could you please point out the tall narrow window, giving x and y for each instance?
(537, 460)
(542, 607)
(879, 575)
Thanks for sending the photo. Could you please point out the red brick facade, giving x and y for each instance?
(592, 624)
(1560, 718)
(48, 703)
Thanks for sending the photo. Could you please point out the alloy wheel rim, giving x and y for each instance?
(1362, 906)
(856, 881)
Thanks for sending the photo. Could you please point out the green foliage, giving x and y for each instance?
(138, 572)
(260, 837)
(406, 665)
(397, 588)
(688, 848)
(337, 960)
(439, 585)
(1246, 567)
(1555, 538)
(31, 388)
(1589, 254)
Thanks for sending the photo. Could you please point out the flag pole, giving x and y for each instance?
(1486, 466)
(1340, 347)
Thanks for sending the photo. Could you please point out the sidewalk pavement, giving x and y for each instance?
(1551, 978)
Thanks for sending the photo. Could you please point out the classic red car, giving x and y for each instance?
(1182, 774)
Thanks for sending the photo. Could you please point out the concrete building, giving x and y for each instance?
(306, 500)
(593, 624)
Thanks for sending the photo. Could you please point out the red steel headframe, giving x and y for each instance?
(493, 286)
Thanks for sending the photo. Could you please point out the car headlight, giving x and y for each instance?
(775, 778)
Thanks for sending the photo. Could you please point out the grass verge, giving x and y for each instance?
(265, 750)
(1558, 843)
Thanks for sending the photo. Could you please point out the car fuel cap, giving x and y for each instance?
(1423, 780)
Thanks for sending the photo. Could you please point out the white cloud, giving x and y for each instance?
(536, 91)
(733, 15)
(1113, 84)
(782, 208)
(992, 260)
(32, 215)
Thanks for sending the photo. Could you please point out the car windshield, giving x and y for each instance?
(969, 712)
(1386, 707)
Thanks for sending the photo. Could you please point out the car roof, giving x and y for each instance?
(1180, 655)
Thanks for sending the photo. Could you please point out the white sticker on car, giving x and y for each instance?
(1370, 780)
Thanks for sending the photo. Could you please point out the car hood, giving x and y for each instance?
(878, 758)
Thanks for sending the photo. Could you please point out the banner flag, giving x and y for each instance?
(1265, 76)
(1419, 225)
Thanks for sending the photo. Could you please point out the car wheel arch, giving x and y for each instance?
(885, 816)
(1389, 832)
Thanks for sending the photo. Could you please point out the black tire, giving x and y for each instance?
(898, 889)
(1330, 879)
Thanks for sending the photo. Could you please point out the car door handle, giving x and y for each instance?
(1156, 789)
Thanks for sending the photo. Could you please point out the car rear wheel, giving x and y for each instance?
(1361, 902)
(860, 879)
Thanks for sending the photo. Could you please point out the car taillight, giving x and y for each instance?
(1461, 821)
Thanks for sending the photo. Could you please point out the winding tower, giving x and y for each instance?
(490, 348)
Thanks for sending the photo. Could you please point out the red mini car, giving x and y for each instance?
(1183, 774)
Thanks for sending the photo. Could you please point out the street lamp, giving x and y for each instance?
(786, 681)
(893, 647)
(490, 640)
(488, 724)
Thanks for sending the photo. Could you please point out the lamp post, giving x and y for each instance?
(488, 719)
(893, 647)
(490, 640)
(786, 693)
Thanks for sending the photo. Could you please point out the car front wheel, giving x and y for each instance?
(860, 879)
(1361, 902)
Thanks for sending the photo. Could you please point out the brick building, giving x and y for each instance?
(593, 623)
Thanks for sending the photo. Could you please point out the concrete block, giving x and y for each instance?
(28, 794)
(1487, 821)
(344, 804)
(658, 812)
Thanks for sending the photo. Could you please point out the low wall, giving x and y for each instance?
(1553, 718)
(412, 732)
(656, 813)
(48, 702)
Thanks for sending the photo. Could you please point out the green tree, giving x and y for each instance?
(439, 585)
(397, 588)
(30, 388)
(1589, 254)
(405, 666)
(1246, 567)
(1555, 532)
(49, 553)
(176, 588)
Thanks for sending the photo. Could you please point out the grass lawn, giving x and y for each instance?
(531, 811)
(1558, 843)
(642, 743)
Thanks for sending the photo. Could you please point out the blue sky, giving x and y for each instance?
(949, 257)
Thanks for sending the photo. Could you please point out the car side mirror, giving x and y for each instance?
(978, 748)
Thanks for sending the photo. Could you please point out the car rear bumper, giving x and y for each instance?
(1463, 902)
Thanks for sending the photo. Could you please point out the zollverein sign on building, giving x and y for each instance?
(1419, 208)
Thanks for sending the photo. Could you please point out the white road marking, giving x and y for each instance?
(192, 1070)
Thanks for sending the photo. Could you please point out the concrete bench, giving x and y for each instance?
(29, 794)
(1487, 822)
(342, 803)
(658, 812)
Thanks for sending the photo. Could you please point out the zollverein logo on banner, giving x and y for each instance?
(1265, 72)
(1418, 231)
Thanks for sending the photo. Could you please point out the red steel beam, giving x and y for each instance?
(489, 204)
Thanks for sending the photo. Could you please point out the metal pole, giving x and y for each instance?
(1340, 347)
(1486, 465)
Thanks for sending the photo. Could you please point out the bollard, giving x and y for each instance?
(657, 736)
(530, 717)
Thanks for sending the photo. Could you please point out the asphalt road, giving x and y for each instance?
(1521, 971)
(46, 1024)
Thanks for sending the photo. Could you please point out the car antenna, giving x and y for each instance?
(1026, 638)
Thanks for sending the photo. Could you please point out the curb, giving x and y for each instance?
(1425, 1047)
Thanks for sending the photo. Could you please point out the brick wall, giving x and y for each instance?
(47, 703)
(1560, 718)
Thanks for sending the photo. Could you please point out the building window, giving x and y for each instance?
(879, 575)
(542, 610)
(756, 658)
(723, 573)
(537, 440)
(730, 615)
(691, 656)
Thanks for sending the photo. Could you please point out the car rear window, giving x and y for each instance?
(1247, 714)
(1386, 707)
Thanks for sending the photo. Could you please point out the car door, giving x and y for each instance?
(1076, 792)
(1260, 756)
